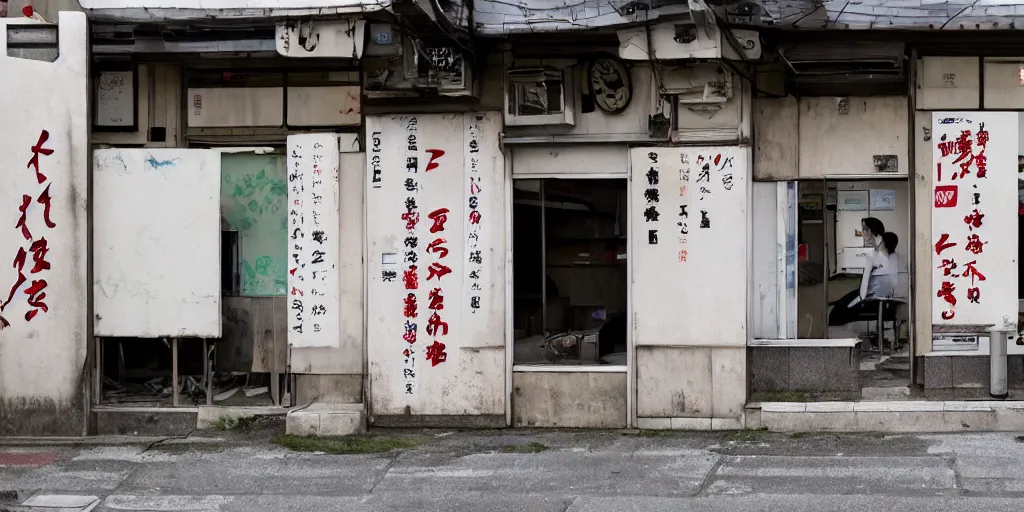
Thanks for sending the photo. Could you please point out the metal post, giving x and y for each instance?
(881, 325)
(207, 372)
(543, 263)
(997, 364)
(98, 370)
(174, 372)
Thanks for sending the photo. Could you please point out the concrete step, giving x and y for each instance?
(326, 419)
(904, 416)
(881, 393)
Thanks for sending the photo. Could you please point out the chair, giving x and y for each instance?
(886, 310)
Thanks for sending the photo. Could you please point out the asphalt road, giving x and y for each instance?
(537, 472)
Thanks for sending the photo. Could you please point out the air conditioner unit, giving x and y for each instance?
(437, 68)
(542, 96)
(699, 83)
(688, 40)
(421, 70)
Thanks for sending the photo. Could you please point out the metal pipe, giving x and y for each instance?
(997, 364)
(543, 263)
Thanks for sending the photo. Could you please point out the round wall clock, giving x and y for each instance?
(609, 84)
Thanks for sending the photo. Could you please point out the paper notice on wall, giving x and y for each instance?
(883, 200)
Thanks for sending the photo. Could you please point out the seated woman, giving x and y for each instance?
(879, 278)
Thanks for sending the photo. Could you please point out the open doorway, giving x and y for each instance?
(853, 280)
(570, 271)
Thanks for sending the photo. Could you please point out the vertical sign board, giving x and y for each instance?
(314, 228)
(689, 251)
(974, 219)
(156, 243)
(435, 206)
(43, 235)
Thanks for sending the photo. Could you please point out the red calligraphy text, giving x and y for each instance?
(974, 244)
(436, 299)
(434, 155)
(971, 270)
(436, 326)
(974, 295)
(943, 243)
(437, 270)
(23, 219)
(410, 278)
(946, 294)
(436, 354)
(439, 216)
(947, 266)
(411, 219)
(973, 219)
(946, 196)
(35, 298)
(474, 217)
(409, 306)
(437, 246)
(38, 149)
(410, 334)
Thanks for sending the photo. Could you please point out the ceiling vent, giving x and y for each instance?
(847, 69)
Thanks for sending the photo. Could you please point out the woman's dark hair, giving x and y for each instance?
(890, 241)
(875, 226)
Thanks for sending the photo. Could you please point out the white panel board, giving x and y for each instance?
(230, 107)
(314, 301)
(688, 214)
(42, 357)
(156, 243)
(324, 106)
(974, 219)
(115, 99)
(436, 226)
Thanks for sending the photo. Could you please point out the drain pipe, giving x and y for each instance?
(997, 363)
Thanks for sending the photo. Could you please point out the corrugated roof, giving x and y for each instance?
(900, 14)
(496, 17)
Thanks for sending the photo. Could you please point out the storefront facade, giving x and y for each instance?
(638, 229)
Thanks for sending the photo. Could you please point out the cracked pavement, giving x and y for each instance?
(536, 471)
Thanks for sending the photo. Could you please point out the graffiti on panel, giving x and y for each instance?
(710, 170)
(31, 281)
(652, 196)
(254, 201)
(961, 193)
(313, 287)
(475, 263)
(411, 259)
(425, 252)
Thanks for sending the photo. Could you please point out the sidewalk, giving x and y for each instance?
(536, 471)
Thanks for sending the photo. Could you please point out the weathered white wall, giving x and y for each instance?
(347, 357)
(156, 243)
(43, 361)
(690, 290)
(813, 138)
(468, 379)
(540, 161)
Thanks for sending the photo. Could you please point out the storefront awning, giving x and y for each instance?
(155, 11)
